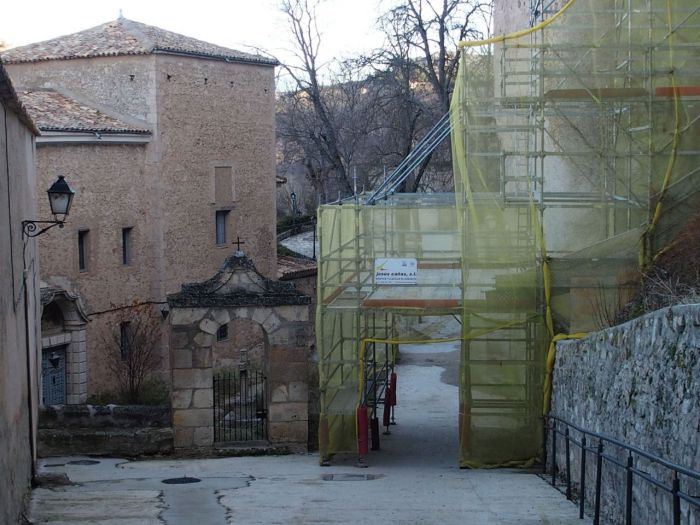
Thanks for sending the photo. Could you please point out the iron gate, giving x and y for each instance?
(240, 406)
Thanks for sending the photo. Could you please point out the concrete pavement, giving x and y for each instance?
(302, 244)
(416, 478)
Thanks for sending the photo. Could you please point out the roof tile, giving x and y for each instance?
(55, 112)
(124, 37)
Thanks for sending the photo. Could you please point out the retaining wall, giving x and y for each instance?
(105, 430)
(640, 383)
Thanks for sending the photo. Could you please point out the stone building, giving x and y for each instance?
(169, 144)
(19, 304)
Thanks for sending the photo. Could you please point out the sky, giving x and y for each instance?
(347, 26)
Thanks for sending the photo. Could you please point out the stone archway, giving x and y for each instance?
(244, 344)
(63, 324)
(239, 296)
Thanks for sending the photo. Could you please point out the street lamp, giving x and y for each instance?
(60, 198)
(294, 212)
(294, 204)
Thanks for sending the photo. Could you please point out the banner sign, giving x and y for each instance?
(395, 271)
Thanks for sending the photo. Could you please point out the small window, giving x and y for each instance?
(221, 220)
(126, 246)
(223, 185)
(83, 249)
(124, 339)
(222, 332)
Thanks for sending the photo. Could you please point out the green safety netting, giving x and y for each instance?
(575, 153)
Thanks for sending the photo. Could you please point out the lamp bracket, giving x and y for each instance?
(29, 228)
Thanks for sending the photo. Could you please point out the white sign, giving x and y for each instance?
(395, 271)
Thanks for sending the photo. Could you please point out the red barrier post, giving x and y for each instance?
(387, 410)
(362, 431)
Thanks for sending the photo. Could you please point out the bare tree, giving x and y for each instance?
(315, 111)
(370, 112)
(132, 350)
(421, 52)
(430, 31)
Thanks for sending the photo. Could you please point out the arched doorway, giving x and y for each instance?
(239, 321)
(63, 348)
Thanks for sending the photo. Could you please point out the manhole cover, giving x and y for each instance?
(83, 462)
(181, 481)
(350, 477)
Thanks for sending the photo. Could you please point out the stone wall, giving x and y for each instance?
(122, 84)
(287, 331)
(104, 430)
(214, 114)
(17, 408)
(640, 383)
(204, 114)
(103, 178)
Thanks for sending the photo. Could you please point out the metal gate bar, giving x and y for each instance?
(240, 406)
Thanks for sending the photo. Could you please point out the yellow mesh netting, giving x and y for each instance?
(575, 152)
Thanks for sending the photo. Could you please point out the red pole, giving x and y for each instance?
(392, 384)
(387, 407)
(362, 431)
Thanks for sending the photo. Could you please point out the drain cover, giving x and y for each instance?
(83, 462)
(181, 481)
(350, 477)
(55, 465)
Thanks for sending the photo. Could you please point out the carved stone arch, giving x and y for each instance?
(69, 336)
(239, 293)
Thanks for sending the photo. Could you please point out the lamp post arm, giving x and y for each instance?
(29, 228)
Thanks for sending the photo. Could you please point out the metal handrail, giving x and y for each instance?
(598, 451)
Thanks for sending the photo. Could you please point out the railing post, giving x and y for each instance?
(628, 494)
(568, 463)
(676, 499)
(554, 452)
(598, 479)
(582, 486)
(213, 408)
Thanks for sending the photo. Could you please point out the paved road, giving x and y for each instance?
(302, 244)
(416, 477)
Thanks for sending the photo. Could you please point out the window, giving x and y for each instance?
(222, 332)
(223, 185)
(221, 220)
(83, 249)
(126, 246)
(124, 340)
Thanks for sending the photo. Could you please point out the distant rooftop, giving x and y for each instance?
(9, 97)
(125, 37)
(52, 111)
(289, 268)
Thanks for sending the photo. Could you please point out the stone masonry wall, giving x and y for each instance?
(287, 330)
(18, 197)
(129, 430)
(215, 114)
(640, 383)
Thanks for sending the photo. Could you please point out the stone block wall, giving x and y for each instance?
(640, 383)
(287, 330)
(128, 430)
(17, 408)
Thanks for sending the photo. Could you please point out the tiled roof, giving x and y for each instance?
(289, 268)
(124, 37)
(9, 97)
(55, 112)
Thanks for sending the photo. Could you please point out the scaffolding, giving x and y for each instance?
(575, 153)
